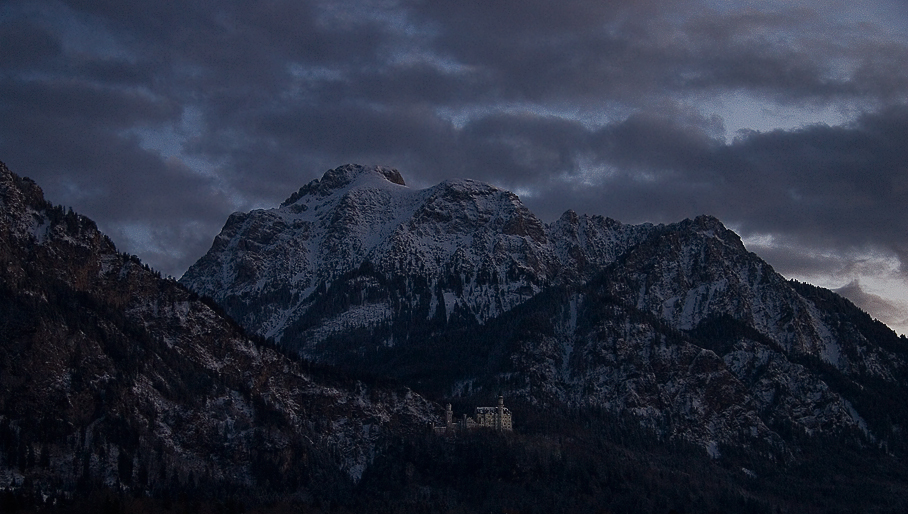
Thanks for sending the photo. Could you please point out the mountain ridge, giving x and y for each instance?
(681, 374)
(442, 264)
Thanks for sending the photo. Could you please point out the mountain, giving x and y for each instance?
(271, 268)
(460, 291)
(114, 378)
(358, 248)
(648, 368)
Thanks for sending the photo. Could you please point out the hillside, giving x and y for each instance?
(115, 378)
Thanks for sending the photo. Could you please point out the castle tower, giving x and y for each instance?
(449, 416)
(499, 420)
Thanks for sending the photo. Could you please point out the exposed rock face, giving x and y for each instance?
(703, 340)
(111, 375)
(467, 251)
(461, 290)
(464, 251)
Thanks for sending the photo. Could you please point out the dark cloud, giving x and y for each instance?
(540, 51)
(112, 72)
(586, 51)
(831, 187)
(86, 103)
(25, 44)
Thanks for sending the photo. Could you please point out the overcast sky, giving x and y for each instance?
(787, 120)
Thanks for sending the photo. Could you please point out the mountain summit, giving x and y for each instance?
(345, 176)
(468, 250)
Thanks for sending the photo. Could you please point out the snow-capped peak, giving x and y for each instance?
(347, 176)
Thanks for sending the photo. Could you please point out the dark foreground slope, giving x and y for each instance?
(114, 379)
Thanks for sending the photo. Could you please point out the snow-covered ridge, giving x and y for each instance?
(357, 262)
(482, 235)
(344, 176)
(469, 250)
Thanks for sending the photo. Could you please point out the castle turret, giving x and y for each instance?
(499, 421)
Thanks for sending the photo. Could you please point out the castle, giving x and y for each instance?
(498, 418)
